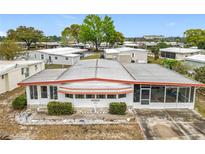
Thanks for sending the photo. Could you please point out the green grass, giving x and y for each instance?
(55, 66)
(94, 56)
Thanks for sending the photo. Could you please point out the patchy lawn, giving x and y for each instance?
(8, 127)
(55, 66)
(93, 56)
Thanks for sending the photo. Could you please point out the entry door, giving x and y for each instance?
(145, 95)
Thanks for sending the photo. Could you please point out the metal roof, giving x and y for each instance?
(180, 50)
(111, 71)
(156, 73)
(96, 68)
(196, 58)
(45, 75)
(124, 49)
(6, 65)
(66, 51)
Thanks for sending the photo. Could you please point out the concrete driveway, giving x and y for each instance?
(171, 124)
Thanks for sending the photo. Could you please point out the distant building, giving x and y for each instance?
(63, 56)
(152, 37)
(13, 72)
(98, 82)
(126, 55)
(178, 53)
(195, 61)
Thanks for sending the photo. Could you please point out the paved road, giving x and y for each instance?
(171, 124)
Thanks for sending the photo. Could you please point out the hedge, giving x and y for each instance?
(19, 103)
(60, 108)
(117, 108)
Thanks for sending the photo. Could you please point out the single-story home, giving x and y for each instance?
(178, 53)
(13, 72)
(63, 56)
(195, 61)
(98, 82)
(126, 55)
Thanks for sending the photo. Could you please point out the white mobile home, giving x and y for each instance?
(126, 55)
(13, 72)
(178, 53)
(195, 61)
(63, 56)
(97, 83)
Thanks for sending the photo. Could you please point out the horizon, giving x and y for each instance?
(131, 25)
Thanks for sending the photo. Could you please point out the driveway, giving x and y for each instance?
(171, 124)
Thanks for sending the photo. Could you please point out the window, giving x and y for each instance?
(183, 95)
(168, 55)
(53, 92)
(42, 56)
(66, 58)
(56, 58)
(33, 92)
(111, 96)
(136, 93)
(133, 55)
(100, 96)
(79, 96)
(171, 95)
(44, 93)
(22, 71)
(157, 94)
(27, 72)
(89, 96)
(192, 95)
(36, 67)
(69, 95)
(121, 95)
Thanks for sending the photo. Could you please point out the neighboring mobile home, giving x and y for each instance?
(97, 83)
(13, 72)
(63, 56)
(126, 55)
(178, 53)
(195, 61)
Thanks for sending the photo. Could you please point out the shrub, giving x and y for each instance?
(59, 108)
(117, 108)
(19, 103)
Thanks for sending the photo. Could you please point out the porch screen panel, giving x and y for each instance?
(157, 94)
(53, 92)
(33, 92)
(183, 95)
(171, 95)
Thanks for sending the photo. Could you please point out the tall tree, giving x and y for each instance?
(28, 35)
(109, 30)
(9, 50)
(119, 37)
(92, 30)
(155, 51)
(194, 36)
(72, 31)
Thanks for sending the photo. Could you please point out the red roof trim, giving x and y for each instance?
(110, 80)
(95, 88)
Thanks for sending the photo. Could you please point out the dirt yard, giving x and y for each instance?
(9, 129)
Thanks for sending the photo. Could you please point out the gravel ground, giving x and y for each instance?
(9, 129)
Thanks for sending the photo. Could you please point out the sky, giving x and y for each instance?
(131, 25)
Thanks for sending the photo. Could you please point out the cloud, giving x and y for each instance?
(2, 33)
(171, 24)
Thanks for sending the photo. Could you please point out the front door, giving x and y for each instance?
(145, 99)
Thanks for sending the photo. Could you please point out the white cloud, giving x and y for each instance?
(171, 24)
(2, 33)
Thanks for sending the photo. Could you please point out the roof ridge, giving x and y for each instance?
(127, 71)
